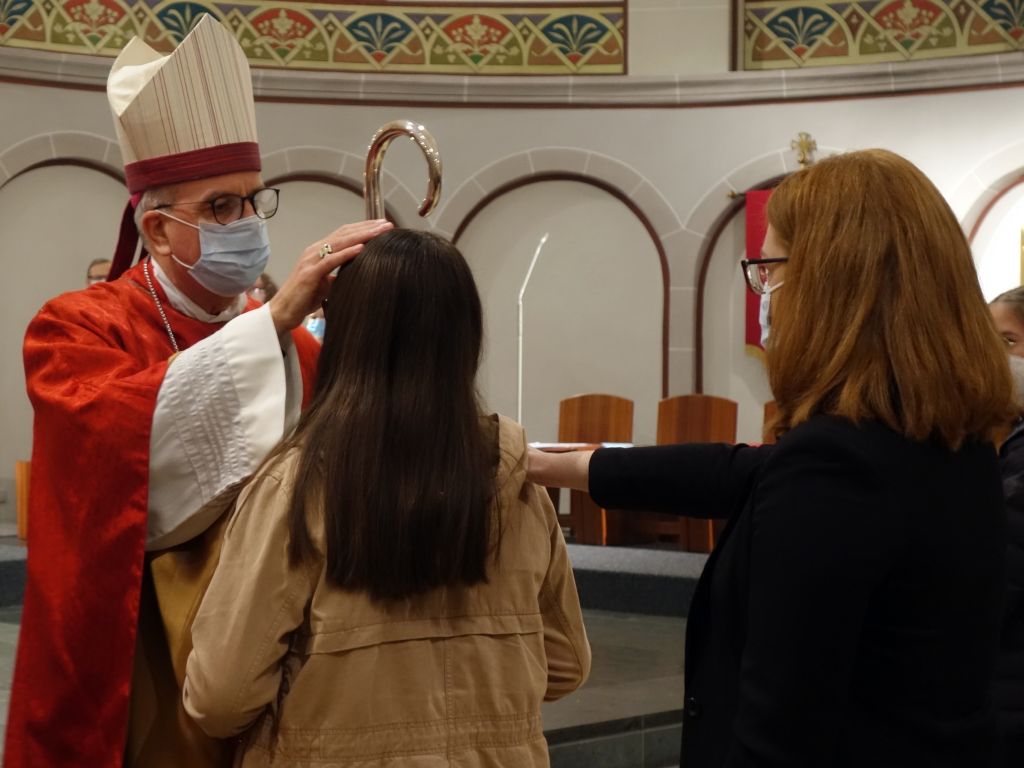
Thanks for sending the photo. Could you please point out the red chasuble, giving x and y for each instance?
(94, 362)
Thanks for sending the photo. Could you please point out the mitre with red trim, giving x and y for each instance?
(188, 115)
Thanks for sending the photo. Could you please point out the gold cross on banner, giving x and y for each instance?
(805, 146)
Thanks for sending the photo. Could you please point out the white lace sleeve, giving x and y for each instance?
(223, 405)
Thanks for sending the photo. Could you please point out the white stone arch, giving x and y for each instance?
(61, 146)
(345, 168)
(572, 161)
(105, 154)
(984, 184)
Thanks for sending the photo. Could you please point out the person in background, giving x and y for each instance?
(97, 271)
(391, 590)
(264, 289)
(850, 613)
(1008, 313)
(1008, 683)
(316, 324)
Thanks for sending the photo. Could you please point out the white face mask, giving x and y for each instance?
(231, 256)
(1017, 371)
(763, 318)
(316, 326)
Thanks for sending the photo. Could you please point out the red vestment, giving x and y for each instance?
(94, 362)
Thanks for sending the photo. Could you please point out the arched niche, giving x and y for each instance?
(596, 307)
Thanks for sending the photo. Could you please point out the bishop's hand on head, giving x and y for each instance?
(310, 281)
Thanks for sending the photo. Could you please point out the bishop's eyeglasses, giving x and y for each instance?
(758, 273)
(229, 208)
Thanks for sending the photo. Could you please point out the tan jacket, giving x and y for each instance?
(453, 678)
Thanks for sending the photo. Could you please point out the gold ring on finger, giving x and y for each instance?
(325, 249)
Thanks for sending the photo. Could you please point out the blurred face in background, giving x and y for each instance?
(259, 291)
(1010, 327)
(263, 289)
(97, 272)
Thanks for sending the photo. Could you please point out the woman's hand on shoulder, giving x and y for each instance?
(559, 470)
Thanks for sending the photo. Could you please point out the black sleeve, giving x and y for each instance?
(1011, 465)
(704, 480)
(823, 531)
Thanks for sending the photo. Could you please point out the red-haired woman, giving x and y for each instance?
(849, 615)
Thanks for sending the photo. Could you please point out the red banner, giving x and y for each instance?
(757, 225)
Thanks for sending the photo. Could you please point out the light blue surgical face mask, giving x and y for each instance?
(764, 319)
(316, 326)
(231, 256)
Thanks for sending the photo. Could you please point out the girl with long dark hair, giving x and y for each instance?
(391, 589)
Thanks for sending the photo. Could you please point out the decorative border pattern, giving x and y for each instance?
(783, 34)
(451, 39)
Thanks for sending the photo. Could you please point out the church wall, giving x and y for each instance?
(592, 311)
(690, 36)
(675, 164)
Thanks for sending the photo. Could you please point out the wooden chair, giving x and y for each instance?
(688, 419)
(593, 419)
(22, 471)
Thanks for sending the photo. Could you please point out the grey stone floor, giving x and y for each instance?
(637, 669)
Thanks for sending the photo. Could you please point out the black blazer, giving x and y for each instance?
(850, 612)
(1008, 685)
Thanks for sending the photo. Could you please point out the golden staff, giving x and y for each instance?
(375, 159)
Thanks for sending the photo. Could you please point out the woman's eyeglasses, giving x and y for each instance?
(758, 273)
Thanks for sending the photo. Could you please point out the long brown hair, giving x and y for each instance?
(880, 315)
(394, 448)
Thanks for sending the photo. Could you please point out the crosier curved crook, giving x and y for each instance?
(375, 159)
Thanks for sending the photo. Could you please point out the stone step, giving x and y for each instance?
(646, 741)
(646, 581)
(12, 570)
(653, 582)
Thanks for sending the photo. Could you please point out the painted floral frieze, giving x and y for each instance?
(780, 34)
(538, 39)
